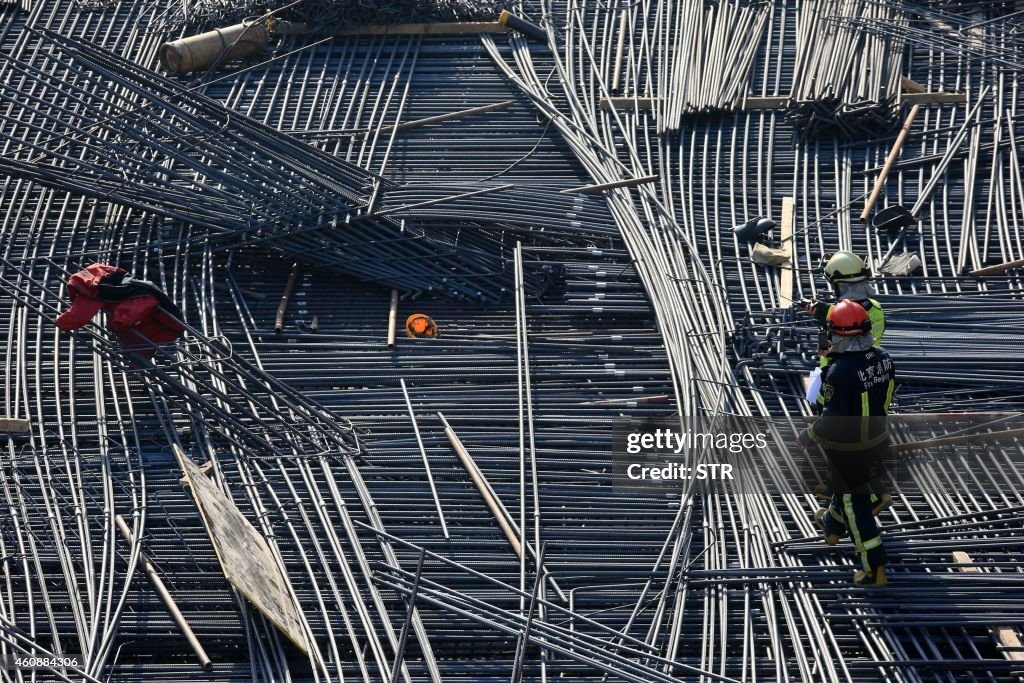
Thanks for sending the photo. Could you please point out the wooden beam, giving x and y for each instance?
(11, 425)
(483, 487)
(890, 160)
(640, 103)
(934, 98)
(758, 103)
(419, 29)
(786, 237)
(911, 86)
(165, 596)
(1004, 635)
(598, 189)
(999, 268)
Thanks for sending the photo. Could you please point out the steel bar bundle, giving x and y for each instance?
(326, 15)
(997, 40)
(842, 79)
(109, 129)
(705, 55)
(120, 133)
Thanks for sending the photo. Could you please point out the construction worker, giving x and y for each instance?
(845, 271)
(853, 431)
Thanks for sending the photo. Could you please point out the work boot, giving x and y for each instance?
(875, 579)
(821, 491)
(819, 517)
(883, 503)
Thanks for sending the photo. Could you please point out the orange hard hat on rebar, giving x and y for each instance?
(420, 325)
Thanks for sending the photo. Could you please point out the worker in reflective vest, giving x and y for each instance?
(853, 431)
(139, 312)
(846, 273)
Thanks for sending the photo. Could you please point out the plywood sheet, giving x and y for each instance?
(244, 555)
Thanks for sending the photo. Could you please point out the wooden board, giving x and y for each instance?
(11, 425)
(244, 555)
(1004, 635)
(641, 103)
(786, 235)
(934, 98)
(753, 103)
(909, 85)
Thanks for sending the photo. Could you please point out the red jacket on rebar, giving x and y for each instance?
(133, 307)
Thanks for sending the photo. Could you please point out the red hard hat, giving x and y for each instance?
(848, 318)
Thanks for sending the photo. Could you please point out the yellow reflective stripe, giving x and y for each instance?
(877, 317)
(851, 523)
(865, 411)
(873, 543)
(851, 520)
(888, 395)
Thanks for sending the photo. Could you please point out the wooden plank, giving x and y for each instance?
(165, 595)
(640, 103)
(243, 554)
(889, 162)
(999, 268)
(757, 103)
(11, 425)
(786, 236)
(1004, 635)
(910, 86)
(598, 189)
(934, 98)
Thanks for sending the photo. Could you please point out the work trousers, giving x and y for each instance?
(851, 512)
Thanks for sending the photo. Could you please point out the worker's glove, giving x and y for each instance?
(824, 345)
(803, 441)
(819, 310)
